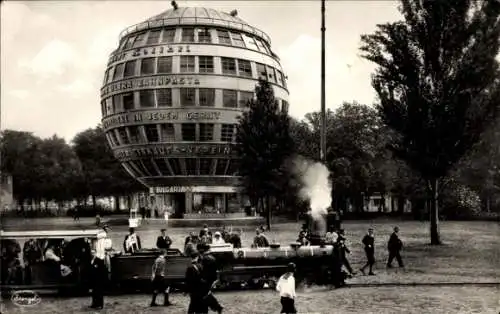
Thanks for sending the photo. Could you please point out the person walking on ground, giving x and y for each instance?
(209, 273)
(394, 247)
(158, 279)
(286, 289)
(195, 286)
(369, 243)
(344, 250)
(76, 213)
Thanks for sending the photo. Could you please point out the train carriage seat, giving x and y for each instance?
(44, 273)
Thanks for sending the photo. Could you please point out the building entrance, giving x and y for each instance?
(179, 204)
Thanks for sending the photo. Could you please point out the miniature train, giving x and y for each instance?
(251, 267)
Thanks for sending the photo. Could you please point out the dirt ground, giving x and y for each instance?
(436, 300)
(470, 254)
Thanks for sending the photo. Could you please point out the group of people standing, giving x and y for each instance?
(338, 239)
(201, 274)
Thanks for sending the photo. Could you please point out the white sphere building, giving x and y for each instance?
(171, 96)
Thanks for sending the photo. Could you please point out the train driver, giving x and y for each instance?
(260, 239)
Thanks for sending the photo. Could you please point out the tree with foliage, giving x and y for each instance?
(20, 151)
(437, 82)
(480, 168)
(305, 142)
(102, 173)
(57, 166)
(264, 144)
(356, 155)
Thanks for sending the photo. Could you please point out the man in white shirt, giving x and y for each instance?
(331, 237)
(286, 289)
(103, 246)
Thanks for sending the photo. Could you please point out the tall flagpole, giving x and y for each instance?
(323, 109)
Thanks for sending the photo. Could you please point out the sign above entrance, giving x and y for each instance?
(192, 189)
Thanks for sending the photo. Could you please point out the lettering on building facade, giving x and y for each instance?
(170, 189)
(168, 116)
(193, 189)
(148, 82)
(149, 51)
(173, 150)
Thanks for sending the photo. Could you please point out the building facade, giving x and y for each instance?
(172, 94)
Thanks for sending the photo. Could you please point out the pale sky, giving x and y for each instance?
(53, 54)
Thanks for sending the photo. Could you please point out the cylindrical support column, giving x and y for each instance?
(189, 202)
(323, 88)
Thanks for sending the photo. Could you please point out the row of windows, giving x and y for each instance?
(194, 64)
(165, 133)
(182, 167)
(195, 35)
(188, 97)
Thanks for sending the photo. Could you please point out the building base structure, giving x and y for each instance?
(204, 200)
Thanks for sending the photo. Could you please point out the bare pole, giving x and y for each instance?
(323, 106)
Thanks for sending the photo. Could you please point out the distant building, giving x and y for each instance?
(7, 201)
(172, 94)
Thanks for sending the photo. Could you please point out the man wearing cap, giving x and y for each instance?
(209, 273)
(286, 289)
(344, 250)
(369, 243)
(158, 279)
(163, 241)
(218, 238)
(195, 286)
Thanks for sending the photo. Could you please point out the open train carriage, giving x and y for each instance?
(24, 265)
(133, 271)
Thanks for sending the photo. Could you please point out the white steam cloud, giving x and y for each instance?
(316, 187)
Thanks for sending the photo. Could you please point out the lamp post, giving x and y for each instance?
(323, 109)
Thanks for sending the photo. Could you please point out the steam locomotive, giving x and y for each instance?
(243, 267)
(318, 227)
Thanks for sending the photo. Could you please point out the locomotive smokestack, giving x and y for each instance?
(174, 5)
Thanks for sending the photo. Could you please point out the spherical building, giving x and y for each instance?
(172, 93)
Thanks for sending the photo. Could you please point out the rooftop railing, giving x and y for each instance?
(195, 21)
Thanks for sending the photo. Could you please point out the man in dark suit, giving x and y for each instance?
(195, 287)
(163, 241)
(369, 243)
(209, 273)
(98, 276)
(394, 246)
(344, 250)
